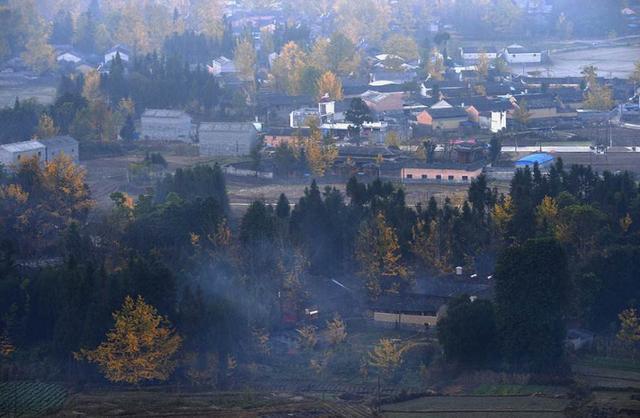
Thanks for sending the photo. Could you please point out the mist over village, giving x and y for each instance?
(320, 208)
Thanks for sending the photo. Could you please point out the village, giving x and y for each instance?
(329, 210)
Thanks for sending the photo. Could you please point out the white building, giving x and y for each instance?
(124, 52)
(472, 54)
(517, 54)
(494, 121)
(16, 153)
(166, 125)
(227, 138)
(57, 145)
(222, 65)
(44, 150)
(66, 54)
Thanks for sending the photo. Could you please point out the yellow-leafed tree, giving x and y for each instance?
(629, 326)
(330, 85)
(46, 127)
(386, 356)
(141, 345)
(320, 156)
(378, 253)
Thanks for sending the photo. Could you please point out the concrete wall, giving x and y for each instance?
(166, 129)
(523, 58)
(417, 175)
(68, 150)
(405, 319)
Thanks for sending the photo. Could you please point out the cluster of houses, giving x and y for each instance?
(71, 60)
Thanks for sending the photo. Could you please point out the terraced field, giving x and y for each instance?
(30, 398)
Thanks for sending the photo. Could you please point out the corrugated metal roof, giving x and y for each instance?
(23, 146)
(59, 141)
(163, 113)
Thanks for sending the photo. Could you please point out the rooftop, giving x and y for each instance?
(59, 141)
(164, 113)
(23, 146)
(540, 158)
(227, 127)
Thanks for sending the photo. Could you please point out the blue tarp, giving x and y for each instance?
(530, 160)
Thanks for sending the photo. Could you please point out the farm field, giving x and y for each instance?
(30, 398)
(211, 404)
(14, 85)
(478, 406)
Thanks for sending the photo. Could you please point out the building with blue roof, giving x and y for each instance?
(543, 160)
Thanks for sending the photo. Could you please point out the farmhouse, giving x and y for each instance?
(227, 138)
(65, 54)
(442, 118)
(124, 52)
(166, 125)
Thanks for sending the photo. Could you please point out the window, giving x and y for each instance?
(19, 157)
(513, 55)
(450, 178)
(409, 176)
(424, 176)
(465, 178)
(438, 177)
(39, 154)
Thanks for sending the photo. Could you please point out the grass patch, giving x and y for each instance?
(610, 363)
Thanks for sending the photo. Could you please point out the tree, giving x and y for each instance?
(500, 65)
(330, 86)
(363, 20)
(378, 254)
(140, 346)
(320, 156)
(402, 46)
(287, 69)
(307, 337)
(468, 332)
(532, 283)
(39, 55)
(629, 332)
(245, 59)
(91, 88)
(521, 114)
(599, 97)
(46, 127)
(495, 148)
(435, 65)
(336, 330)
(635, 75)
(386, 356)
(128, 130)
(392, 140)
(357, 114)
(483, 64)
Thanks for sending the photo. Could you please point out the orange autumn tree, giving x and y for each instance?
(141, 345)
(378, 253)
